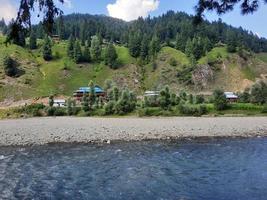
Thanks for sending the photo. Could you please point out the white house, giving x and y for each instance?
(59, 103)
(231, 96)
(151, 93)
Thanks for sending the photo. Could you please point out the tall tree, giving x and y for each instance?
(154, 47)
(144, 52)
(86, 54)
(33, 40)
(47, 49)
(95, 48)
(110, 56)
(134, 44)
(77, 52)
(70, 48)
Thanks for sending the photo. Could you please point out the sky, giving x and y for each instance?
(131, 9)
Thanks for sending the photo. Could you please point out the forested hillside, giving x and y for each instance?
(145, 54)
(171, 28)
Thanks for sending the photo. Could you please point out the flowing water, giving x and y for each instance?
(212, 169)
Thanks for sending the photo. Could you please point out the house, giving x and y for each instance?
(56, 38)
(151, 93)
(78, 94)
(230, 96)
(59, 103)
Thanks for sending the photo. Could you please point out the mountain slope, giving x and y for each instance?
(61, 76)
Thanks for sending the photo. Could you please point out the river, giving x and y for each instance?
(204, 169)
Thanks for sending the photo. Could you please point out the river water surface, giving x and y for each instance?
(212, 169)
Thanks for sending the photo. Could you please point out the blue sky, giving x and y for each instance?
(130, 9)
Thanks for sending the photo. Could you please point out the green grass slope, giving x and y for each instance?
(62, 76)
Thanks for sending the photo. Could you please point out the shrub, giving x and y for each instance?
(34, 110)
(220, 101)
(200, 99)
(264, 110)
(50, 111)
(173, 62)
(9, 66)
(60, 112)
(126, 103)
(109, 108)
(259, 93)
(165, 98)
(192, 110)
(191, 99)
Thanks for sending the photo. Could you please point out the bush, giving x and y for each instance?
(259, 93)
(109, 108)
(192, 110)
(9, 66)
(173, 62)
(34, 110)
(50, 111)
(264, 110)
(220, 101)
(60, 112)
(200, 99)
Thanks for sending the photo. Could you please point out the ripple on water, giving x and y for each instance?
(216, 169)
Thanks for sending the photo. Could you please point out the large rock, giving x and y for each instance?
(202, 76)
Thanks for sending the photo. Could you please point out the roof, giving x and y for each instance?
(88, 89)
(59, 101)
(151, 93)
(230, 95)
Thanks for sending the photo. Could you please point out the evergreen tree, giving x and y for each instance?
(154, 47)
(134, 45)
(231, 42)
(259, 93)
(180, 42)
(33, 40)
(189, 48)
(92, 97)
(77, 57)
(70, 48)
(85, 103)
(110, 56)
(47, 49)
(95, 48)
(165, 98)
(9, 66)
(144, 52)
(86, 54)
(220, 101)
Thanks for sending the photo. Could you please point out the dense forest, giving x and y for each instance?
(175, 29)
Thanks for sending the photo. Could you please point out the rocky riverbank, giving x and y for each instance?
(38, 131)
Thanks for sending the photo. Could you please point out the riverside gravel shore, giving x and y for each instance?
(39, 131)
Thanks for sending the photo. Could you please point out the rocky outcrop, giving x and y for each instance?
(202, 76)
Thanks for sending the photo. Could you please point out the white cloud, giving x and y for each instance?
(7, 10)
(132, 9)
(68, 3)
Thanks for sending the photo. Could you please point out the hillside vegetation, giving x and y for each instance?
(61, 76)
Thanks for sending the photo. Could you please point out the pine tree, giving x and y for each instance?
(110, 56)
(47, 51)
(92, 96)
(154, 47)
(9, 66)
(134, 45)
(95, 48)
(189, 48)
(86, 54)
(77, 57)
(180, 43)
(70, 48)
(144, 49)
(33, 41)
